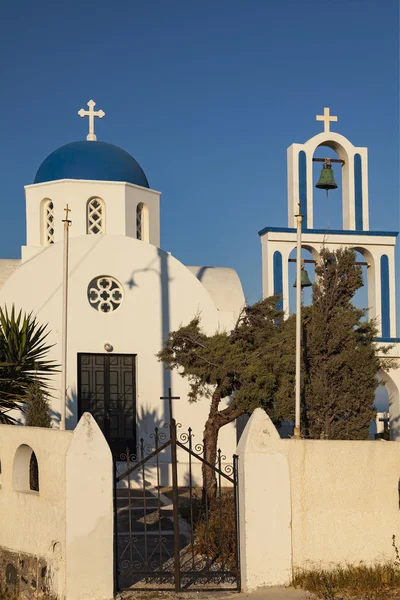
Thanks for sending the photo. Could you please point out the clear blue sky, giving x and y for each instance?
(207, 95)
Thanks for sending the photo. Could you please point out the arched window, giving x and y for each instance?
(33, 473)
(25, 470)
(96, 216)
(47, 221)
(142, 222)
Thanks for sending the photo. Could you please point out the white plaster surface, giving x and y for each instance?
(345, 500)
(7, 267)
(224, 287)
(343, 495)
(69, 522)
(160, 294)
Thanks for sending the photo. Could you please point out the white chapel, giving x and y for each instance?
(125, 294)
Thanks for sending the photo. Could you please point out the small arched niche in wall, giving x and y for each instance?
(25, 476)
(142, 222)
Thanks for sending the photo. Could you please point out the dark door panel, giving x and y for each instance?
(107, 389)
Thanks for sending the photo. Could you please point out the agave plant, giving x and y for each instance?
(23, 352)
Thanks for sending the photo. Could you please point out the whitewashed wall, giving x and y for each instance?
(69, 521)
(313, 503)
(160, 294)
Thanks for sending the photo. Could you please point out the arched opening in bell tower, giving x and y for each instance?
(308, 256)
(361, 298)
(328, 206)
(387, 402)
(380, 426)
(365, 296)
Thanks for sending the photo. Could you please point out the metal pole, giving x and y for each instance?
(297, 433)
(64, 322)
(175, 508)
(116, 549)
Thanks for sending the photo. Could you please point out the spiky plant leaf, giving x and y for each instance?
(23, 352)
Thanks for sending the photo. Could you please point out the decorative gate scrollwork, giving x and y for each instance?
(169, 536)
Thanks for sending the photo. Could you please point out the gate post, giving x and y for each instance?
(174, 461)
(89, 568)
(264, 490)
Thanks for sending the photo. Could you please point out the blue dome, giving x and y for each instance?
(91, 160)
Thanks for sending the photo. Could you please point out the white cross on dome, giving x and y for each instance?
(91, 114)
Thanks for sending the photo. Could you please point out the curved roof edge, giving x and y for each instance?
(223, 285)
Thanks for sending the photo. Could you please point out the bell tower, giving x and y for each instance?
(377, 247)
(354, 163)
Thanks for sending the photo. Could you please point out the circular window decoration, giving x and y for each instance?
(105, 293)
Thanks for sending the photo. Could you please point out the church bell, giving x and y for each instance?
(304, 281)
(326, 180)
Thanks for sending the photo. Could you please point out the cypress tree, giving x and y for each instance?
(37, 407)
(340, 357)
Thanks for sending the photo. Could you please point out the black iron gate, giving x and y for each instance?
(170, 536)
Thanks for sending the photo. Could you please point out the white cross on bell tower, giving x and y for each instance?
(91, 114)
(327, 118)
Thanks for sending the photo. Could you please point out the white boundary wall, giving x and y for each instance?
(313, 503)
(69, 521)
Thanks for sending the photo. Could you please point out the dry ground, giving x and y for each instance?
(265, 594)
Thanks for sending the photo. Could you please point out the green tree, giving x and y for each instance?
(236, 365)
(340, 362)
(23, 352)
(254, 364)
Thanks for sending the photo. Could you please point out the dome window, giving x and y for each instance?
(95, 216)
(142, 222)
(47, 219)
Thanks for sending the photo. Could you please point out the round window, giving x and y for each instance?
(105, 293)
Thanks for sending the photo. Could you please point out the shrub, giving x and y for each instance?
(364, 582)
(215, 533)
